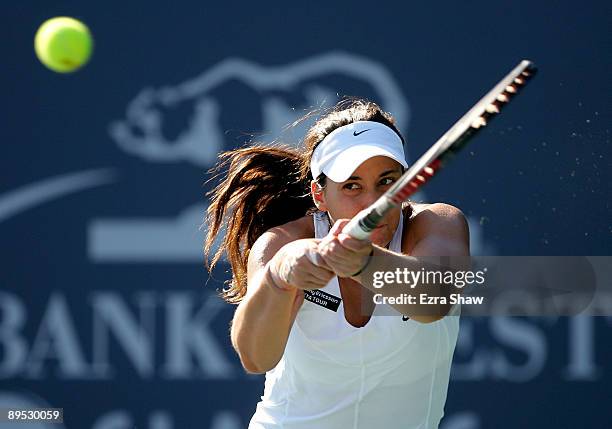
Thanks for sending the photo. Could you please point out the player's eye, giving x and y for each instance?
(387, 181)
(352, 186)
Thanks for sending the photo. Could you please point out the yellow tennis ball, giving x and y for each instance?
(63, 44)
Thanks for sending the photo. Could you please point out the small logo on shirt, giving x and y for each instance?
(355, 133)
(323, 299)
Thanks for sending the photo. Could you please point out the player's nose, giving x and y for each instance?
(369, 198)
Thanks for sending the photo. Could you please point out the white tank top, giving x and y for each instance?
(390, 373)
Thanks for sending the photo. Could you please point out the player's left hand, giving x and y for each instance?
(342, 253)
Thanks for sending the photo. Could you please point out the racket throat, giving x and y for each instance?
(362, 225)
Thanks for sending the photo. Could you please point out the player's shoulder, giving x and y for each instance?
(441, 211)
(293, 230)
(276, 237)
(426, 218)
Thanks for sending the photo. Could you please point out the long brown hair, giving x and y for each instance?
(269, 185)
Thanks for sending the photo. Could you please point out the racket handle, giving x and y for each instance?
(364, 222)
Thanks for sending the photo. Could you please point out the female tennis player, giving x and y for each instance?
(306, 316)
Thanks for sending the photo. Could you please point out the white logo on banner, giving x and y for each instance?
(141, 135)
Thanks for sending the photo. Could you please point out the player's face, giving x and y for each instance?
(367, 183)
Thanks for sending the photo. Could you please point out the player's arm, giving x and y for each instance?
(278, 269)
(439, 230)
(262, 320)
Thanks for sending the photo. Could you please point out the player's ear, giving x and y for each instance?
(316, 191)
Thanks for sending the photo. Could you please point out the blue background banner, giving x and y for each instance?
(106, 309)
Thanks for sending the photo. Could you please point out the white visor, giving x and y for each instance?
(347, 147)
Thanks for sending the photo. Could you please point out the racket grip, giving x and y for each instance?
(362, 225)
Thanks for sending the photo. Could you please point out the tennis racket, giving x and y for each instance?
(442, 151)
